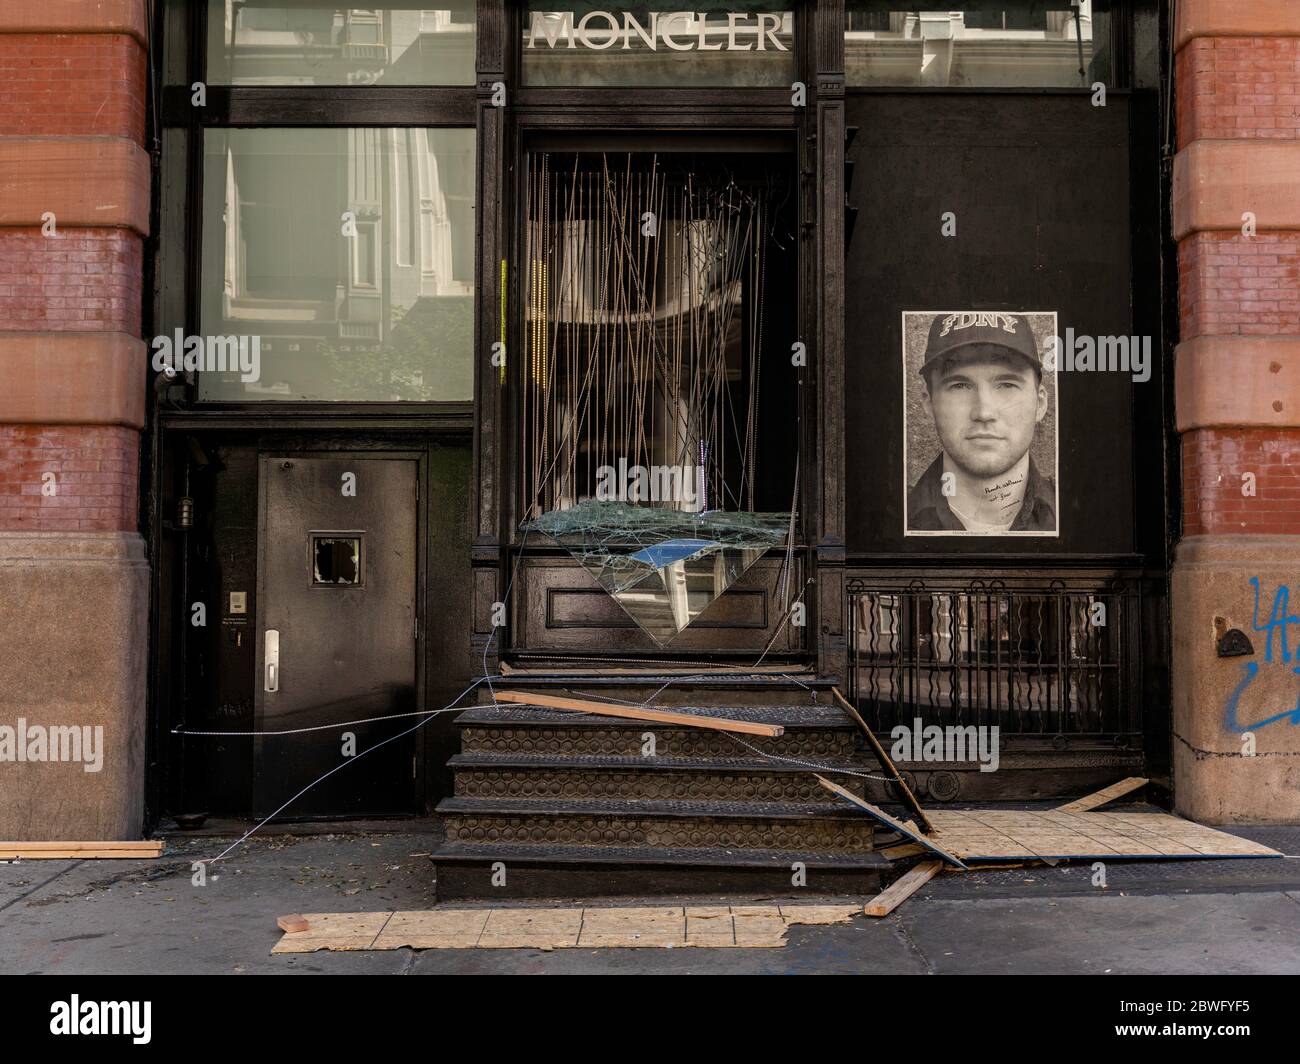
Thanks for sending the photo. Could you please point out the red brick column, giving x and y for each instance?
(74, 215)
(1236, 216)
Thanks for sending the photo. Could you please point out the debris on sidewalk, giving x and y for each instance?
(670, 927)
(293, 924)
(984, 835)
(1074, 831)
(902, 888)
(909, 830)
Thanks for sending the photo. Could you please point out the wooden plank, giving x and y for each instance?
(907, 849)
(1106, 794)
(146, 846)
(660, 716)
(886, 762)
(78, 851)
(73, 855)
(901, 889)
(888, 820)
(293, 924)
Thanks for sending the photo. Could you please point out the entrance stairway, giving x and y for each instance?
(562, 804)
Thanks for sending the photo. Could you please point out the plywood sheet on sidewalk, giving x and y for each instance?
(1055, 834)
(673, 926)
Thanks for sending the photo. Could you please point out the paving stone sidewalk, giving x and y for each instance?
(110, 917)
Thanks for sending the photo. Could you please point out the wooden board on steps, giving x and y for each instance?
(651, 669)
(659, 716)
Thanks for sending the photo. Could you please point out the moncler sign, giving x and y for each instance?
(678, 31)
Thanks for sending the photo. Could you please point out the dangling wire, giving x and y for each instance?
(646, 306)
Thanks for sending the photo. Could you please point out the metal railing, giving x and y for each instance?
(1047, 662)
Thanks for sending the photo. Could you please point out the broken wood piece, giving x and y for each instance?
(906, 849)
(660, 716)
(905, 792)
(1106, 794)
(902, 888)
(292, 924)
(888, 820)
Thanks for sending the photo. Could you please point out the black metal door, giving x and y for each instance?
(337, 635)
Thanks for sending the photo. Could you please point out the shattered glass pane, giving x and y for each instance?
(664, 567)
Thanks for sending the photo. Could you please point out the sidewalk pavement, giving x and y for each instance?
(146, 917)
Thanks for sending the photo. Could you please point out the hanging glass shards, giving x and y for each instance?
(640, 382)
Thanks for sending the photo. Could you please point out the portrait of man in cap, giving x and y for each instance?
(979, 427)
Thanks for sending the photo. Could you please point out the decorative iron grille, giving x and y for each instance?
(1045, 662)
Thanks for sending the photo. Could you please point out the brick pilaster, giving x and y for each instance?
(1236, 217)
(74, 216)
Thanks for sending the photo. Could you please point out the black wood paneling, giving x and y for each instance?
(1040, 185)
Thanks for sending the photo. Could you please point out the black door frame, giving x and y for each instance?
(173, 281)
(650, 114)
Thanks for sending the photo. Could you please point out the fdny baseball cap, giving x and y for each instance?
(952, 332)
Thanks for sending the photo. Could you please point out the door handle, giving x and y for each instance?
(272, 682)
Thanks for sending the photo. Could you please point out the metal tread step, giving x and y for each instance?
(570, 762)
(798, 679)
(466, 852)
(789, 717)
(651, 808)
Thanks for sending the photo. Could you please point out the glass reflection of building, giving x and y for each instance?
(1041, 44)
(254, 42)
(350, 252)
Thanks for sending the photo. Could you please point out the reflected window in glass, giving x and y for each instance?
(283, 42)
(344, 258)
(978, 43)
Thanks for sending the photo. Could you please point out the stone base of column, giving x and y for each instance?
(1220, 702)
(74, 610)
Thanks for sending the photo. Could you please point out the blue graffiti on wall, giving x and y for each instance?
(1280, 618)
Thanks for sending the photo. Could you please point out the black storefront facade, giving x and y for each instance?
(360, 195)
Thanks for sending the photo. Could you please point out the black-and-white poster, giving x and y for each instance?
(979, 424)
